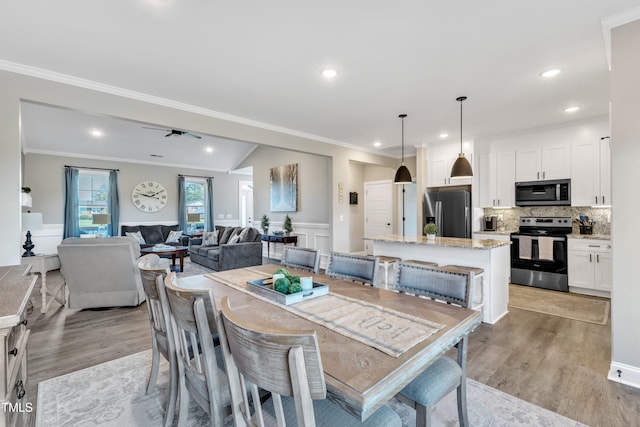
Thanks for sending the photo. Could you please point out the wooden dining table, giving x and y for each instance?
(359, 377)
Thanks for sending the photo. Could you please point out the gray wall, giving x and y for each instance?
(314, 184)
(625, 152)
(356, 212)
(45, 175)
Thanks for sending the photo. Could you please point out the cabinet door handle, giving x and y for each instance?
(544, 175)
(24, 322)
(538, 175)
(13, 352)
(498, 202)
(597, 257)
(596, 200)
(590, 258)
(603, 200)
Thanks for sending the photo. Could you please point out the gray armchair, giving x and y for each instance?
(101, 272)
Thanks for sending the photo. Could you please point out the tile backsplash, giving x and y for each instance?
(602, 216)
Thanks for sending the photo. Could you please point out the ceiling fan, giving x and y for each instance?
(175, 132)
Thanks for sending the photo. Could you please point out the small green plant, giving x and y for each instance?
(26, 190)
(264, 223)
(430, 229)
(287, 224)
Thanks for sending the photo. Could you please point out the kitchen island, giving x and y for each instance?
(493, 256)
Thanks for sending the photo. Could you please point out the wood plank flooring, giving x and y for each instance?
(556, 363)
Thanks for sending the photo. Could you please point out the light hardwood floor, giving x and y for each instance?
(556, 363)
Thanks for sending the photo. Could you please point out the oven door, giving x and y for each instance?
(539, 265)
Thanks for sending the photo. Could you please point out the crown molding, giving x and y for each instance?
(614, 21)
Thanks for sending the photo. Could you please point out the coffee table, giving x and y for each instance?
(174, 251)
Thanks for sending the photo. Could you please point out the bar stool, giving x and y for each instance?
(478, 278)
(386, 262)
(426, 263)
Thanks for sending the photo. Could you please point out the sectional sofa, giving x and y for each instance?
(154, 234)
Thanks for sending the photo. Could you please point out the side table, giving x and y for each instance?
(42, 264)
(278, 238)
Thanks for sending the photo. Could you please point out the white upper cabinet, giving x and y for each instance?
(591, 173)
(496, 177)
(543, 163)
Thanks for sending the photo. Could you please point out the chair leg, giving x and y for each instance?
(155, 366)
(423, 416)
(173, 393)
(184, 405)
(462, 388)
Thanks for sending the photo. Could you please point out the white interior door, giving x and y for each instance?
(410, 210)
(378, 210)
(246, 203)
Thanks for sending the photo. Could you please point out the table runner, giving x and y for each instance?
(387, 330)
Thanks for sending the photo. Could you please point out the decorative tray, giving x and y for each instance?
(266, 290)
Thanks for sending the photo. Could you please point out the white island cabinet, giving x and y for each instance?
(493, 256)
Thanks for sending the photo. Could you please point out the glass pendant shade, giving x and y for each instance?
(403, 176)
(461, 167)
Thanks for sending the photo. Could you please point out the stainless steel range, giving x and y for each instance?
(539, 252)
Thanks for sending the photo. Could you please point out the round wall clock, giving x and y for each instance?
(149, 196)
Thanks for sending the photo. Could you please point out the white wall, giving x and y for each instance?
(625, 154)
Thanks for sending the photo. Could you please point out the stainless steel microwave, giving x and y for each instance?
(544, 193)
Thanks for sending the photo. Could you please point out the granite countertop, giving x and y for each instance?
(452, 242)
(497, 232)
(589, 236)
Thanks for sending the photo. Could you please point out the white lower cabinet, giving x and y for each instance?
(590, 266)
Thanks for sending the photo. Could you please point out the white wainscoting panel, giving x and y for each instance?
(310, 235)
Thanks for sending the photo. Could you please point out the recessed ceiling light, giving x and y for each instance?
(209, 149)
(444, 135)
(571, 109)
(96, 133)
(377, 144)
(329, 73)
(550, 73)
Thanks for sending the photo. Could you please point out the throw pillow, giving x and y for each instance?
(210, 238)
(138, 236)
(174, 237)
(234, 239)
(243, 234)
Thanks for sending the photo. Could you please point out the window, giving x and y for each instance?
(93, 198)
(195, 199)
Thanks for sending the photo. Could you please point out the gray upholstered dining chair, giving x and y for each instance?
(359, 268)
(152, 267)
(445, 374)
(193, 318)
(286, 364)
(301, 258)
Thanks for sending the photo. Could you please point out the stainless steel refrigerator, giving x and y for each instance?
(450, 211)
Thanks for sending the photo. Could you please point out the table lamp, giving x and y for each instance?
(193, 218)
(101, 220)
(31, 221)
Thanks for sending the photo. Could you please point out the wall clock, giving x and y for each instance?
(149, 196)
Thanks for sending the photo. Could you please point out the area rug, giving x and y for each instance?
(112, 394)
(568, 305)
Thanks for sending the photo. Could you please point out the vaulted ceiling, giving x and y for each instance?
(262, 61)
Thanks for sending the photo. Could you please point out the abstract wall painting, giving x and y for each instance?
(284, 188)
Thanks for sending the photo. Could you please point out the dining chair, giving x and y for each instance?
(152, 267)
(287, 365)
(445, 374)
(301, 258)
(359, 268)
(200, 376)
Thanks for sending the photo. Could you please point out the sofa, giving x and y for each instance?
(154, 234)
(223, 255)
(101, 272)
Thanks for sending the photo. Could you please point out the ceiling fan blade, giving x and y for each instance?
(192, 135)
(148, 127)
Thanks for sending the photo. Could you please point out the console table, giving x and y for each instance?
(276, 238)
(42, 264)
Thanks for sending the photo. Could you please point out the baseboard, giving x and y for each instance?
(624, 374)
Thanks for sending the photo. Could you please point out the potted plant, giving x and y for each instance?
(264, 224)
(430, 230)
(288, 228)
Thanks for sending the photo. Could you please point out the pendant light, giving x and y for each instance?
(461, 167)
(403, 176)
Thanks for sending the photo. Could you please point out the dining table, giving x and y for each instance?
(360, 376)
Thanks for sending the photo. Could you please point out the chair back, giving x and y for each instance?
(358, 268)
(435, 283)
(193, 314)
(301, 258)
(282, 362)
(151, 268)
